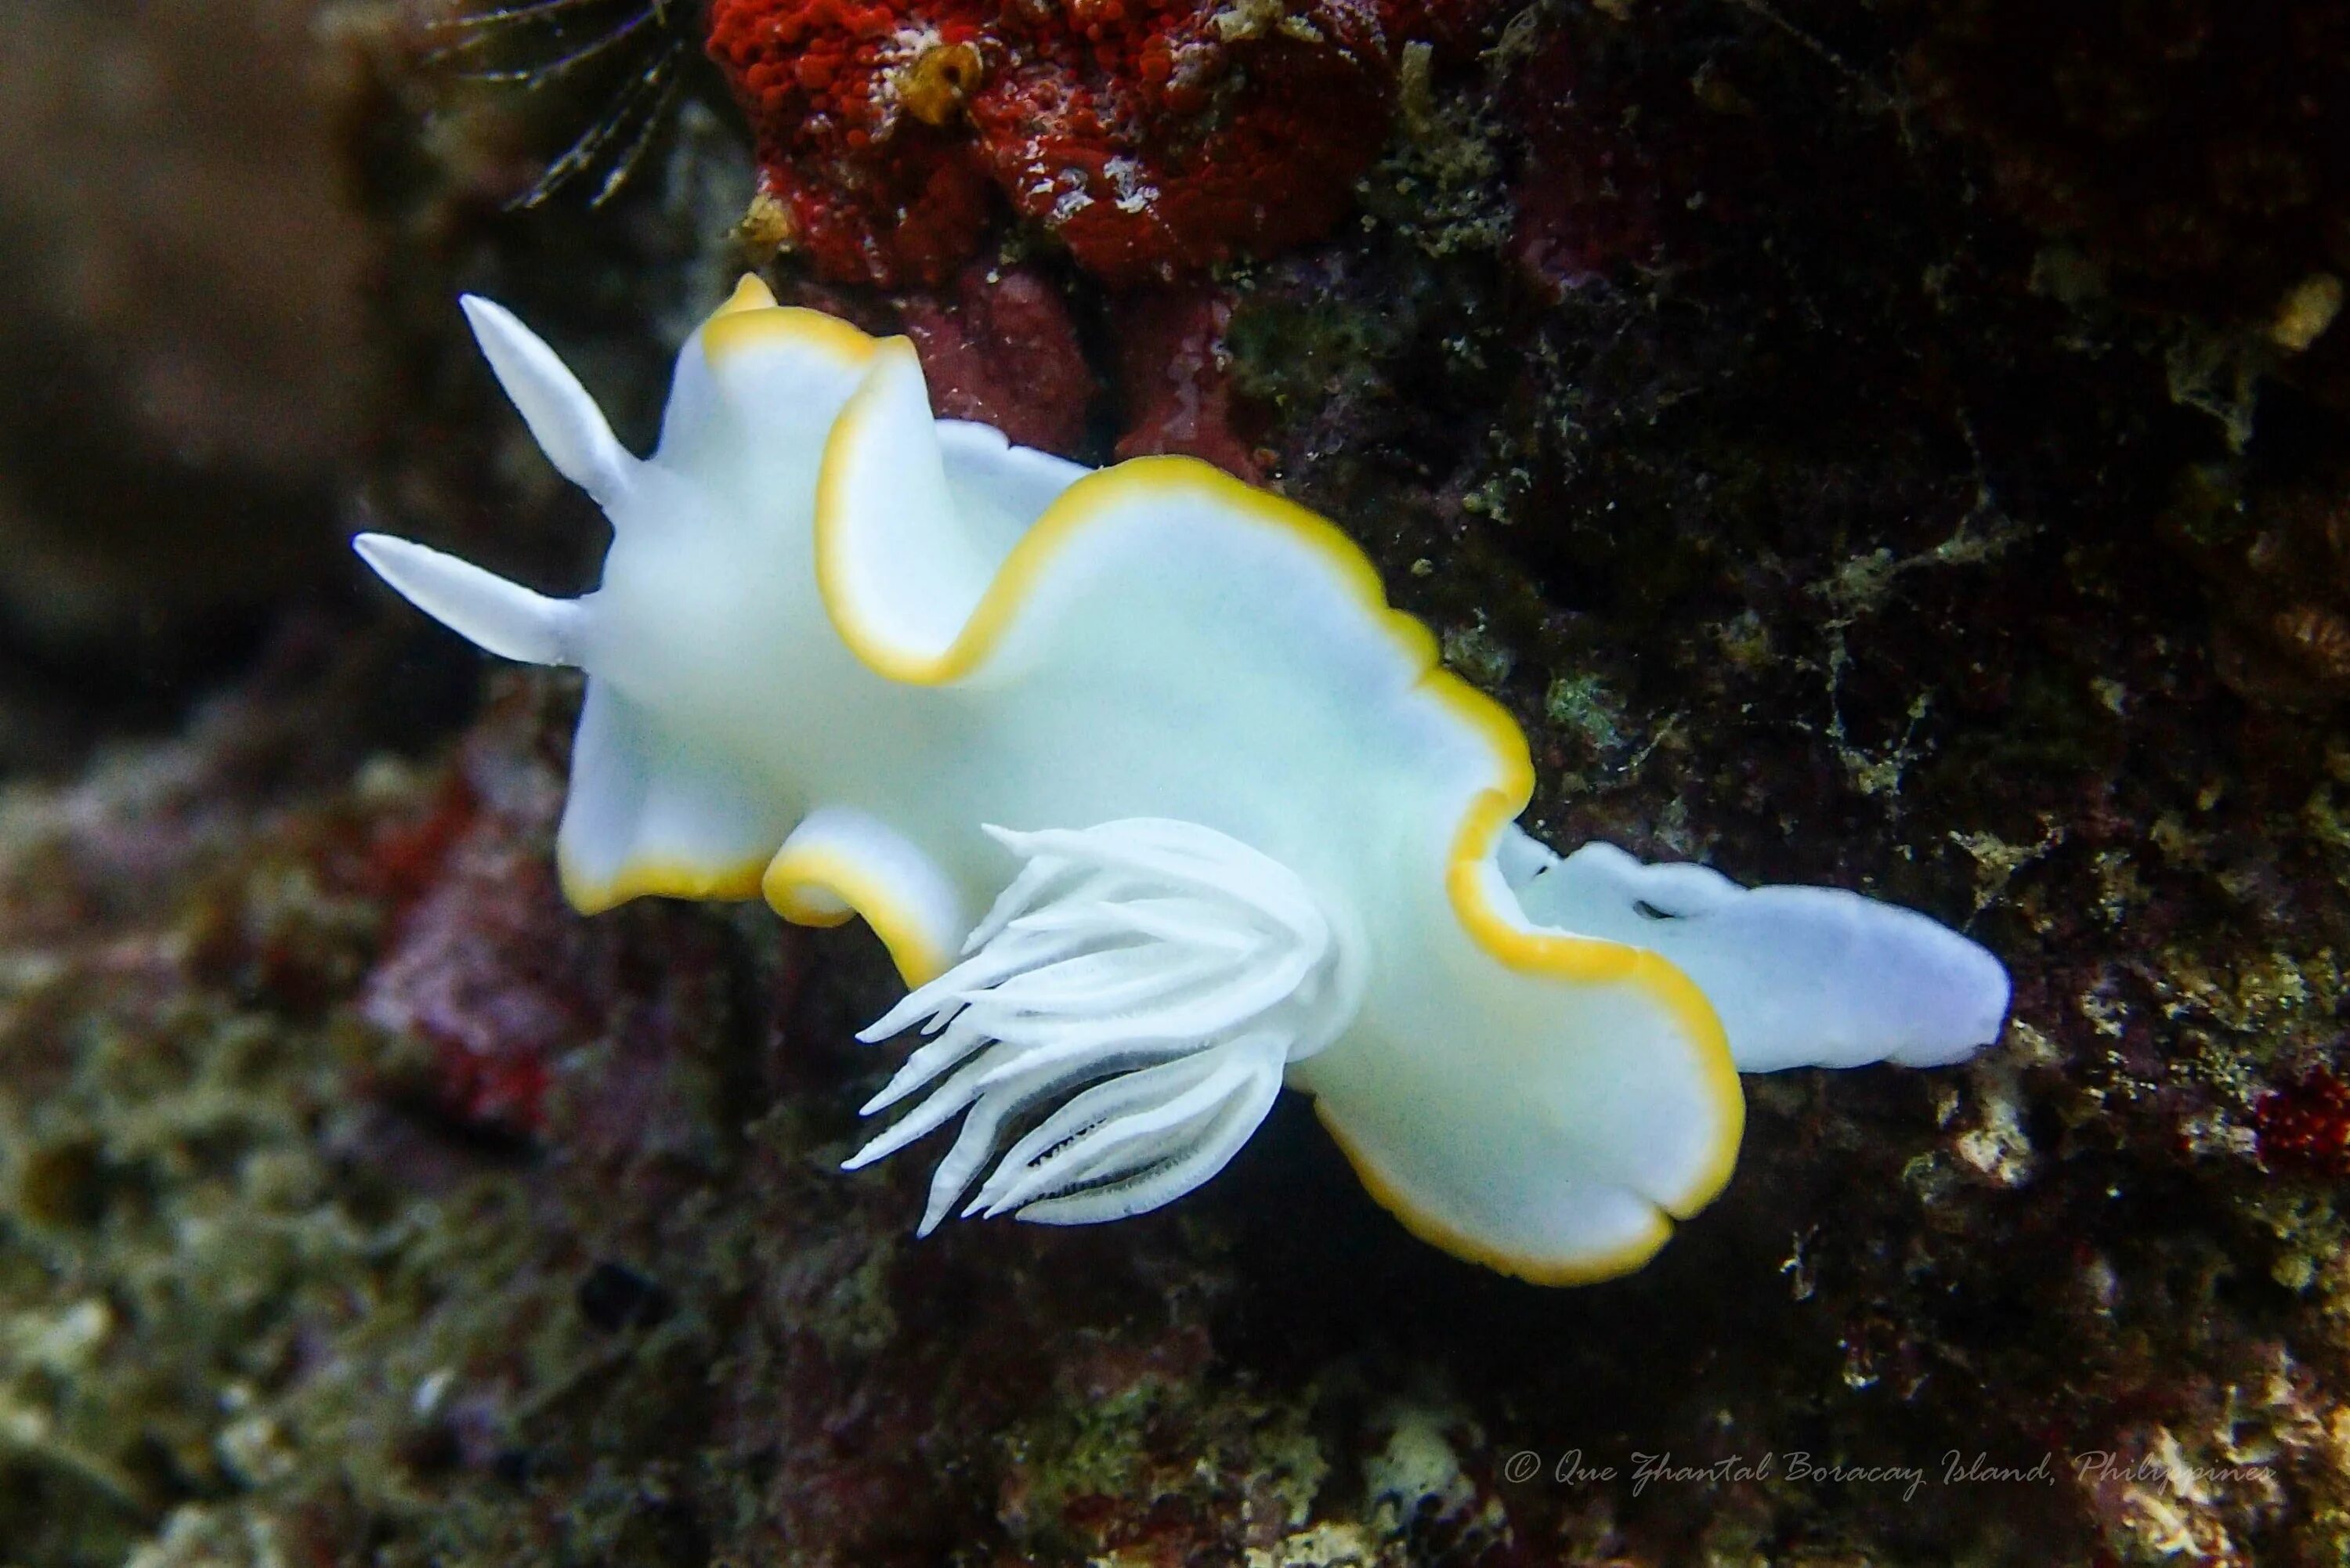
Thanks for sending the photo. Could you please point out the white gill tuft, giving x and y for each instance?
(1154, 977)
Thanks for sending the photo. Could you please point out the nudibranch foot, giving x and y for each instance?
(1159, 975)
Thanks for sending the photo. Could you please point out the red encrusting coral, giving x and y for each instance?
(873, 191)
(999, 347)
(1150, 136)
(1585, 203)
(1176, 375)
(2304, 1127)
(474, 970)
(485, 966)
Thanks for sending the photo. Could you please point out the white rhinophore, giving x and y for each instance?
(495, 614)
(564, 419)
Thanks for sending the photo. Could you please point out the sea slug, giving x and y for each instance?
(1159, 807)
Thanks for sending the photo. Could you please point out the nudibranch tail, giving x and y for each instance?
(1161, 976)
(1801, 977)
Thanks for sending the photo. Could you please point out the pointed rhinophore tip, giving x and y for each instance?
(499, 617)
(564, 419)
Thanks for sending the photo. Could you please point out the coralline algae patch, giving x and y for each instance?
(1148, 136)
(1001, 348)
(2304, 1127)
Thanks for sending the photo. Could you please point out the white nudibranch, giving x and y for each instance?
(1158, 807)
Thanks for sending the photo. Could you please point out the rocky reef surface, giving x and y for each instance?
(1893, 445)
